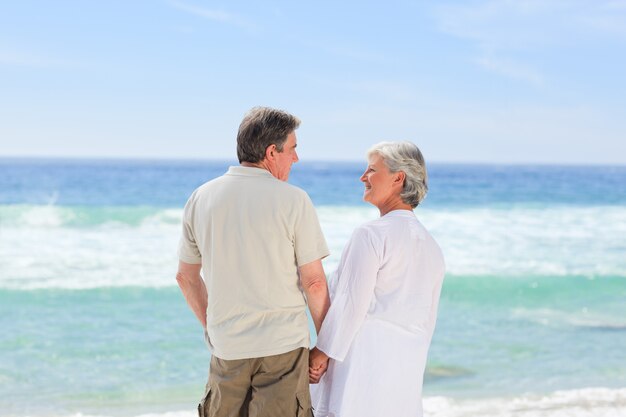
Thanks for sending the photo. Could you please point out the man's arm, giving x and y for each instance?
(193, 288)
(313, 283)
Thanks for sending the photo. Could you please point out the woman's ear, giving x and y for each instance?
(399, 177)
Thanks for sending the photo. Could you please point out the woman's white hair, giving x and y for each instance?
(405, 157)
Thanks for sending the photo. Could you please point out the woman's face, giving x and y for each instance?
(378, 182)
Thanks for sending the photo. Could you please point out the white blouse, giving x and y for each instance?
(384, 298)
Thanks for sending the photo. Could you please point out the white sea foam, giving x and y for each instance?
(587, 241)
(587, 402)
(582, 318)
(50, 247)
(45, 216)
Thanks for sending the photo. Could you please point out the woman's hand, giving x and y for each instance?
(318, 363)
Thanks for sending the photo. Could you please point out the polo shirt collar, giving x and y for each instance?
(249, 171)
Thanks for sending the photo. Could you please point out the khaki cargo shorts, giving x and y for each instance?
(270, 386)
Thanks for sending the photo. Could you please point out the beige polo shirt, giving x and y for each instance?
(250, 231)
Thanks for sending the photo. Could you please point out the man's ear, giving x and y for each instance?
(270, 152)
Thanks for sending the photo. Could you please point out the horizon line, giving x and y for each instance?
(307, 161)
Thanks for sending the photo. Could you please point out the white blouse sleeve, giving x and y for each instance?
(432, 320)
(356, 280)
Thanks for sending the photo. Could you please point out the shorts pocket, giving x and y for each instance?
(303, 401)
(205, 404)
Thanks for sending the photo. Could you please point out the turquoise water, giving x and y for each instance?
(97, 349)
(532, 319)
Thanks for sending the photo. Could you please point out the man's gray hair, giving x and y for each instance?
(260, 128)
(405, 157)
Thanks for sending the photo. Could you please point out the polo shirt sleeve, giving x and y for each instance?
(309, 242)
(188, 251)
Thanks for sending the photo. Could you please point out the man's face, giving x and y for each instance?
(284, 160)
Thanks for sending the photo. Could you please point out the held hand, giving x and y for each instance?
(318, 363)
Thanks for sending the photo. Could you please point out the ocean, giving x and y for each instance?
(532, 320)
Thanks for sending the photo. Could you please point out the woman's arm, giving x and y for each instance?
(357, 273)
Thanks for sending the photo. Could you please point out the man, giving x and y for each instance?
(259, 245)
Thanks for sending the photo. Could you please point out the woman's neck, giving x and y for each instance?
(394, 204)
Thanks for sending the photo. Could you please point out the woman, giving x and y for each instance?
(384, 299)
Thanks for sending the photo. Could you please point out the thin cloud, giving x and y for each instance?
(184, 29)
(611, 25)
(503, 24)
(383, 90)
(513, 70)
(24, 59)
(522, 24)
(18, 60)
(338, 49)
(609, 20)
(507, 27)
(215, 15)
(616, 5)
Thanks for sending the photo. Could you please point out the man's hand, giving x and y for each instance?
(318, 363)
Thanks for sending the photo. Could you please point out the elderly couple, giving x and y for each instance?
(259, 245)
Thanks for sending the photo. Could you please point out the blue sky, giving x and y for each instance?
(468, 81)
